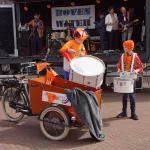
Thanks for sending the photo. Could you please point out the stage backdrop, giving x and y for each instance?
(78, 16)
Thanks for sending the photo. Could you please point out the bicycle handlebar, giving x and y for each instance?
(17, 77)
(7, 76)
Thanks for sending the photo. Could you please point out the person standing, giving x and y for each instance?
(73, 48)
(112, 23)
(37, 34)
(125, 19)
(127, 59)
(101, 28)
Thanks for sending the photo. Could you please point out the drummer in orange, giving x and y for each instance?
(138, 69)
(73, 48)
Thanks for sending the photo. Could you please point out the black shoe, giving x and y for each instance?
(122, 115)
(134, 117)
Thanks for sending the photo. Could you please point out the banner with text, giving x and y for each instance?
(78, 16)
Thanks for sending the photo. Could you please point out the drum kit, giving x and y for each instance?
(55, 41)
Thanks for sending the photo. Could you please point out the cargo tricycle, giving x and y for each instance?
(43, 97)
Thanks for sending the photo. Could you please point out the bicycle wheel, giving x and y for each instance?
(54, 123)
(11, 113)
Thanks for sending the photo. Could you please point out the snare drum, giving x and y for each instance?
(55, 35)
(62, 35)
(87, 70)
(125, 85)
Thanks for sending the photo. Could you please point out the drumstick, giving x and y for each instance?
(78, 51)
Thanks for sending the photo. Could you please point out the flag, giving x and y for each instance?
(41, 66)
(51, 97)
(49, 76)
(55, 74)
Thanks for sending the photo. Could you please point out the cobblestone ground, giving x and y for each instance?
(121, 134)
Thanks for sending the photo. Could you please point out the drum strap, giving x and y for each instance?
(132, 64)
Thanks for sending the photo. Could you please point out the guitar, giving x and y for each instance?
(33, 31)
(126, 26)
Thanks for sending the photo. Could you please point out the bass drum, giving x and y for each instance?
(55, 46)
(87, 70)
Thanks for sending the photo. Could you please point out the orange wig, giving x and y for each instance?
(129, 44)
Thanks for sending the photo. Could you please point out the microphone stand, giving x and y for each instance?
(29, 43)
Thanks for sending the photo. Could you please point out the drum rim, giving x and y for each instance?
(90, 57)
(123, 79)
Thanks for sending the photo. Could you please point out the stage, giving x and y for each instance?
(107, 57)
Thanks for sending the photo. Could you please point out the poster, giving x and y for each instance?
(78, 16)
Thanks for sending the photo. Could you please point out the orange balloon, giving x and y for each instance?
(72, 4)
(97, 1)
(48, 6)
(26, 8)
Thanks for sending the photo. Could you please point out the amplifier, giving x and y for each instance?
(93, 46)
(95, 38)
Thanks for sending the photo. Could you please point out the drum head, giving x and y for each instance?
(88, 66)
(55, 46)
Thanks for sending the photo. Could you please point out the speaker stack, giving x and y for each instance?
(23, 43)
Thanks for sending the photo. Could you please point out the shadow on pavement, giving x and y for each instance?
(28, 133)
(107, 121)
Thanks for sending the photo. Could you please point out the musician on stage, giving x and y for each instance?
(125, 18)
(68, 32)
(37, 34)
(73, 48)
(111, 22)
(101, 28)
(137, 69)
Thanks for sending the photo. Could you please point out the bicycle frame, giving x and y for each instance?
(25, 92)
(21, 88)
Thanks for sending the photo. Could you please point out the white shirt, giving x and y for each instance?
(108, 19)
(66, 65)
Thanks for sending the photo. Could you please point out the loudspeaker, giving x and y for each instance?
(23, 38)
(3, 53)
(24, 51)
(140, 46)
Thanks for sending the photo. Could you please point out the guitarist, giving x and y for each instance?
(37, 34)
(125, 19)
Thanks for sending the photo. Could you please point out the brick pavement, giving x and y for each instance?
(121, 134)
